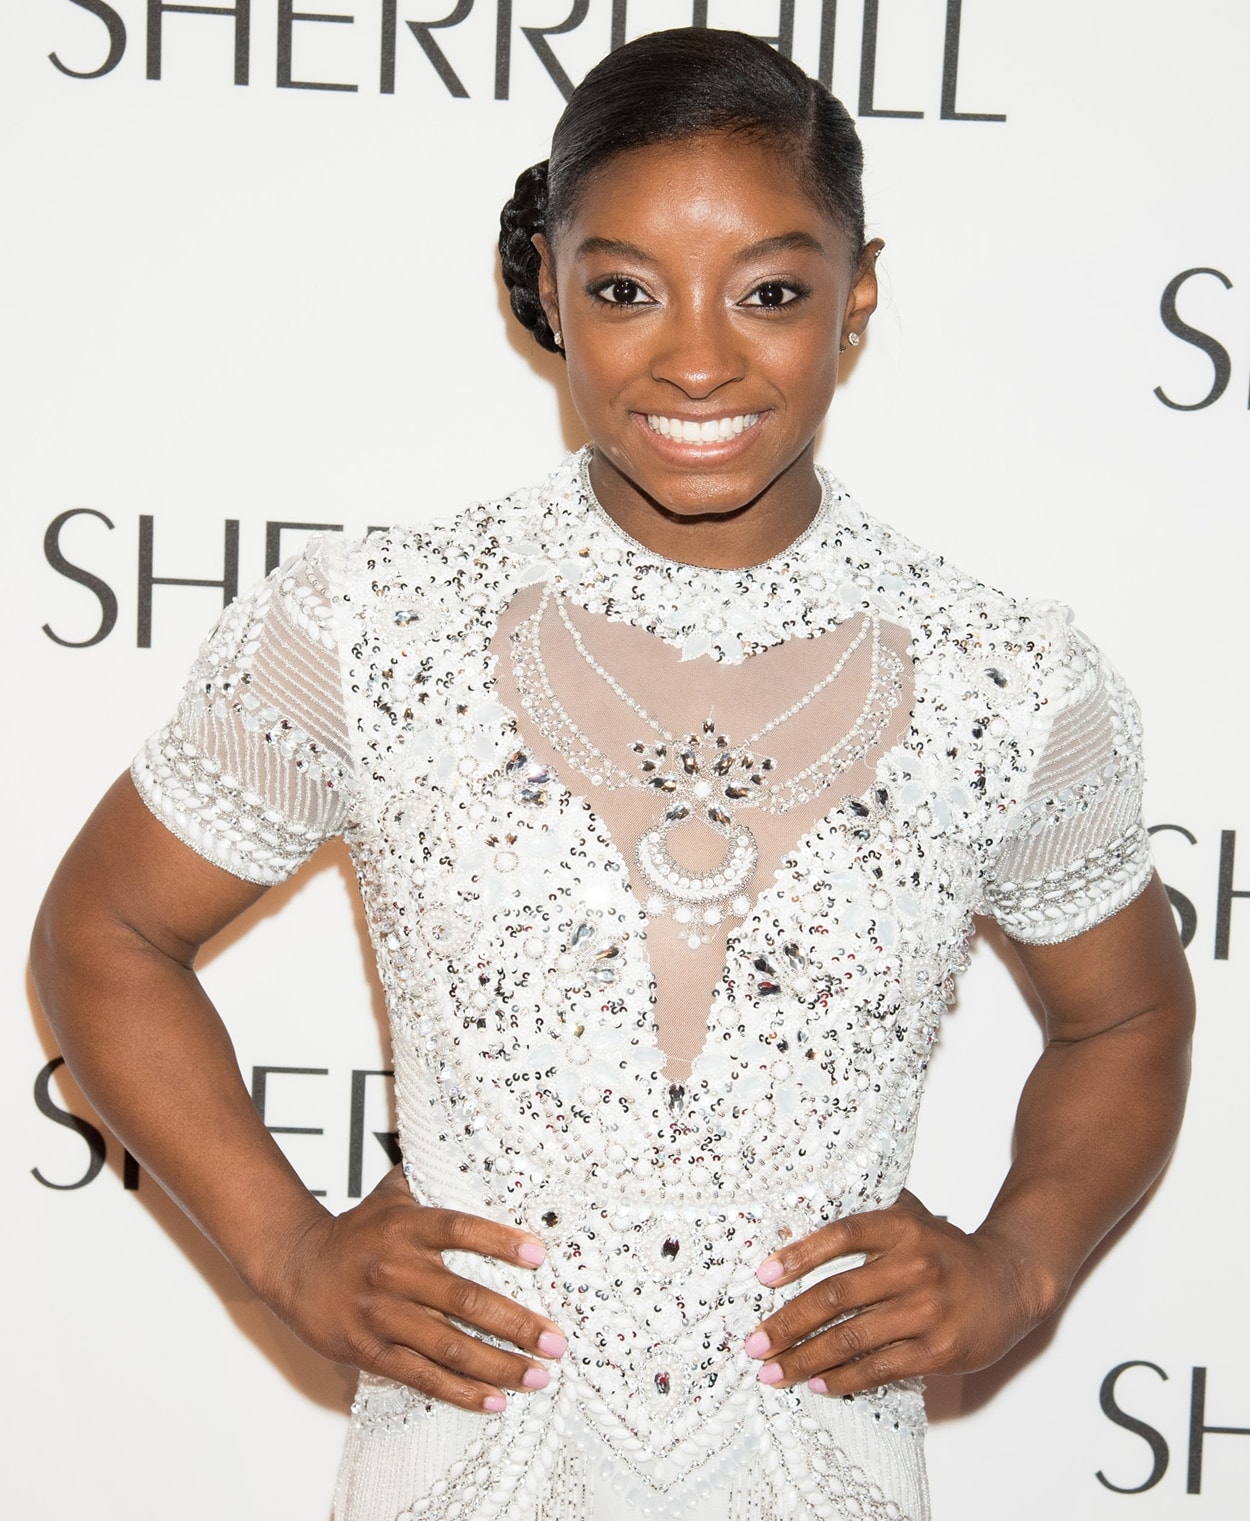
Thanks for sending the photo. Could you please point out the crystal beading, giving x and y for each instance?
(530, 1078)
(701, 777)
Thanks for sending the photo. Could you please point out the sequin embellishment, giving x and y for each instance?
(355, 693)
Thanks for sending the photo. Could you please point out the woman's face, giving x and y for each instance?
(703, 298)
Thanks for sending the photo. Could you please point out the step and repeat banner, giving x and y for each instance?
(249, 290)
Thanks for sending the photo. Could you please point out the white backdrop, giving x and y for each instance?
(239, 301)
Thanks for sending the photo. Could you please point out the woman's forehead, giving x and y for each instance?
(721, 184)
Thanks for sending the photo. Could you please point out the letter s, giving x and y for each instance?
(1152, 1438)
(117, 40)
(1215, 352)
(103, 591)
(1186, 913)
(48, 1106)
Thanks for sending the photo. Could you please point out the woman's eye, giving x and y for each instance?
(773, 294)
(623, 293)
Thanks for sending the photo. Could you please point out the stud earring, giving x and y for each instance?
(853, 340)
(558, 338)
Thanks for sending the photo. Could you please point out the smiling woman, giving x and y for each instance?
(703, 299)
(672, 784)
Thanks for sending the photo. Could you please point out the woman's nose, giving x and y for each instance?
(698, 351)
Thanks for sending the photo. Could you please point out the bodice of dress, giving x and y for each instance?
(360, 690)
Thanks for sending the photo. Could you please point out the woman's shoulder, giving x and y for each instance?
(955, 603)
(452, 541)
(948, 609)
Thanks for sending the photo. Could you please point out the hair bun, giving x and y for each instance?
(524, 215)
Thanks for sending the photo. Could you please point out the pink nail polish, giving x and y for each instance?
(494, 1403)
(552, 1344)
(756, 1345)
(818, 1386)
(770, 1271)
(770, 1373)
(532, 1252)
(536, 1378)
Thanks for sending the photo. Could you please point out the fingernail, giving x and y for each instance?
(770, 1271)
(536, 1378)
(770, 1373)
(552, 1344)
(756, 1344)
(533, 1252)
(818, 1386)
(494, 1403)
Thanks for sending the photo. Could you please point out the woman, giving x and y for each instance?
(672, 784)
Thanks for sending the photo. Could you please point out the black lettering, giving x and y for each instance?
(828, 32)
(868, 66)
(287, 17)
(102, 591)
(698, 18)
(229, 582)
(421, 31)
(241, 10)
(117, 41)
(1198, 1430)
(1152, 1438)
(130, 1171)
(273, 538)
(260, 1095)
(1186, 913)
(1215, 352)
(50, 1109)
(950, 69)
(537, 39)
(1225, 893)
(783, 41)
(387, 1139)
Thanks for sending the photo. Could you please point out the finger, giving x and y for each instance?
(871, 1233)
(444, 1345)
(406, 1366)
(900, 1360)
(426, 1283)
(853, 1339)
(448, 1230)
(847, 1293)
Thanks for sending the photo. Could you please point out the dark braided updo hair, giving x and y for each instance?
(665, 87)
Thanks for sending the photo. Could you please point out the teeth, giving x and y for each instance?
(713, 431)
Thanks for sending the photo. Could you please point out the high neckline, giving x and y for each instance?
(605, 519)
(726, 614)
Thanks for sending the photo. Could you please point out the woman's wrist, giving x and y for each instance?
(1039, 1278)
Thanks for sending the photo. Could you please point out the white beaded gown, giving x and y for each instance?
(669, 872)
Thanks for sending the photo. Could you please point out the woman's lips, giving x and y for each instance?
(709, 430)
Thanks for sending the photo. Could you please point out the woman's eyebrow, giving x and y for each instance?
(783, 242)
(612, 246)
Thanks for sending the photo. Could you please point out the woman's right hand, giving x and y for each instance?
(113, 957)
(369, 1287)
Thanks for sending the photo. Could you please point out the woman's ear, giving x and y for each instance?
(862, 301)
(547, 281)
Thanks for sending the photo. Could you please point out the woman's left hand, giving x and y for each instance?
(1095, 1123)
(929, 1298)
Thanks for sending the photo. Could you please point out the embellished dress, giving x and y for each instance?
(669, 872)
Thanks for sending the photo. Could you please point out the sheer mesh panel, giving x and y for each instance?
(739, 699)
(254, 772)
(1078, 850)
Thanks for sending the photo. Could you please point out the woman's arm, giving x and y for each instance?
(113, 955)
(1097, 1120)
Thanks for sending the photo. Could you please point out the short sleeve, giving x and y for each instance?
(254, 770)
(1076, 851)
